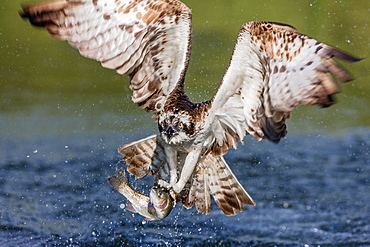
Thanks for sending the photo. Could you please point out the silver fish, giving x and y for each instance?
(154, 208)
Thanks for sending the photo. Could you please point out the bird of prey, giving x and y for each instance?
(273, 69)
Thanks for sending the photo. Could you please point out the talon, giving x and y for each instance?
(173, 194)
(168, 186)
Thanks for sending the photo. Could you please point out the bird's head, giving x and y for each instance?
(176, 128)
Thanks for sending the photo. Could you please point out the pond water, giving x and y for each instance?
(311, 190)
(63, 116)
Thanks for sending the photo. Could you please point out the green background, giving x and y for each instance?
(47, 87)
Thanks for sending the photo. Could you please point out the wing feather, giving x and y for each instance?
(212, 176)
(145, 157)
(147, 40)
(273, 69)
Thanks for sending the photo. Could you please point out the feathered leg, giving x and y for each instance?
(211, 175)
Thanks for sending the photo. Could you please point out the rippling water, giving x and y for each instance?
(62, 118)
(311, 189)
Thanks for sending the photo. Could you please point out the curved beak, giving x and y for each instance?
(170, 132)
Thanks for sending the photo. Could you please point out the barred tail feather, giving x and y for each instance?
(228, 193)
(213, 176)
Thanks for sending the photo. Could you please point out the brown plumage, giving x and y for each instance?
(212, 176)
(273, 69)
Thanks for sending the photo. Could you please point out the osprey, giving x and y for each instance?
(273, 68)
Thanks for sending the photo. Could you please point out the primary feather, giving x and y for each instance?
(149, 41)
(273, 69)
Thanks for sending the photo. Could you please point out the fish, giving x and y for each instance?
(155, 207)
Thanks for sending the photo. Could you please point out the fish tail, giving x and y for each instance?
(118, 181)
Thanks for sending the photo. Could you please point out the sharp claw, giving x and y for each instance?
(173, 195)
(169, 187)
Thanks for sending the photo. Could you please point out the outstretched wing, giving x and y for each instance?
(147, 40)
(273, 69)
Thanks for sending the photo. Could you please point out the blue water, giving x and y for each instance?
(60, 125)
(310, 190)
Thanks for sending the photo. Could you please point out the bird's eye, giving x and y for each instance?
(181, 125)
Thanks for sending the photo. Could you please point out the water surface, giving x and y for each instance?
(63, 116)
(310, 189)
